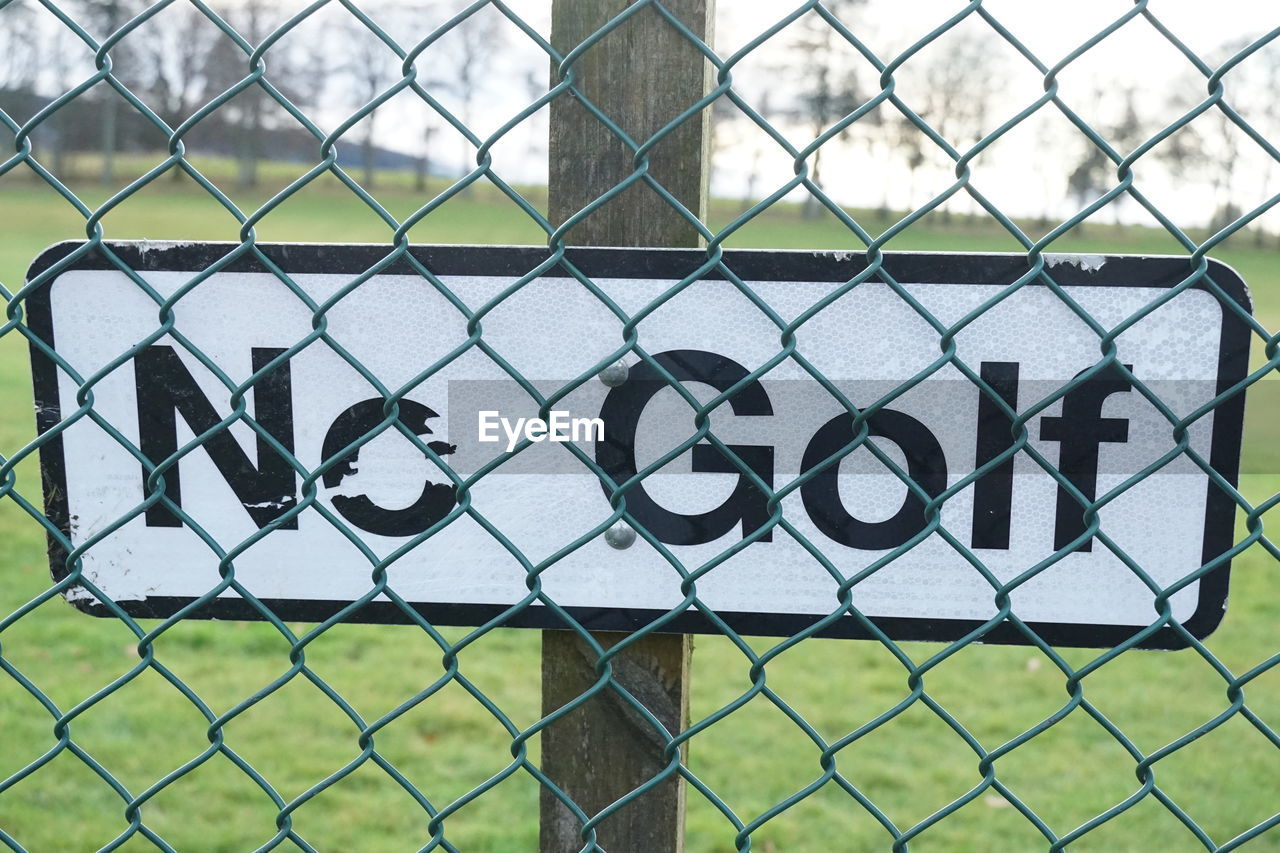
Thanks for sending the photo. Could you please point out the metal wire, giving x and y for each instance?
(27, 155)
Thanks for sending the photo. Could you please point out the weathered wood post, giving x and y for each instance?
(642, 75)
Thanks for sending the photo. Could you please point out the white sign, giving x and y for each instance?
(1082, 528)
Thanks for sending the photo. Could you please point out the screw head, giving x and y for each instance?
(615, 374)
(620, 536)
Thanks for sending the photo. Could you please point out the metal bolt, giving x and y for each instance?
(614, 375)
(620, 536)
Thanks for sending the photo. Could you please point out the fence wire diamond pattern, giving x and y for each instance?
(312, 674)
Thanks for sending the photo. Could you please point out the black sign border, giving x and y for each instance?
(759, 265)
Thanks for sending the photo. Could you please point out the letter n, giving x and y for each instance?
(167, 389)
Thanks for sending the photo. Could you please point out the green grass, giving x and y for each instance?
(1227, 781)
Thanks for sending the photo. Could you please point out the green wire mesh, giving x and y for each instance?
(734, 820)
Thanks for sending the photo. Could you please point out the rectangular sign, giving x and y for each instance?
(311, 416)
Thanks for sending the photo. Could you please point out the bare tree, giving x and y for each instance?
(829, 88)
(946, 88)
(961, 84)
(103, 18)
(18, 67)
(908, 139)
(1123, 129)
(291, 70)
(1212, 150)
(430, 127)
(371, 68)
(19, 38)
(18, 63)
(226, 65)
(1225, 161)
(65, 55)
(1250, 89)
(1090, 177)
(175, 58)
(1184, 154)
(476, 41)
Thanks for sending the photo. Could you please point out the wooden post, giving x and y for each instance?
(642, 75)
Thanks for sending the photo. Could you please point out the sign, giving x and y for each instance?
(471, 492)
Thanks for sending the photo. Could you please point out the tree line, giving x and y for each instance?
(804, 83)
(969, 82)
(179, 61)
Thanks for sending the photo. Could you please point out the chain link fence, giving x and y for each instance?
(168, 733)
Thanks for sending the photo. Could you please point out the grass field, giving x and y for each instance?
(1228, 781)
